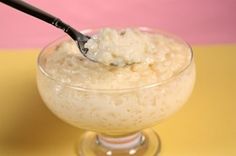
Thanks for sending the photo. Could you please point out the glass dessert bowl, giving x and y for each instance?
(118, 118)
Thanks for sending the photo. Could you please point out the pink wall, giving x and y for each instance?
(197, 21)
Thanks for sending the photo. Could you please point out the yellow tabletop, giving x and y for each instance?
(205, 126)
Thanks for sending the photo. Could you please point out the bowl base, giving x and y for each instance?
(144, 143)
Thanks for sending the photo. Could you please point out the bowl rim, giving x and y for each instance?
(150, 85)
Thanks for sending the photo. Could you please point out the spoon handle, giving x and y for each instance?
(40, 14)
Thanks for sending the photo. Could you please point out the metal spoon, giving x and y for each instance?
(80, 38)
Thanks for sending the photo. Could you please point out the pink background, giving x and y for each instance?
(197, 21)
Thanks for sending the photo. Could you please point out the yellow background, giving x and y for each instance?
(205, 126)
